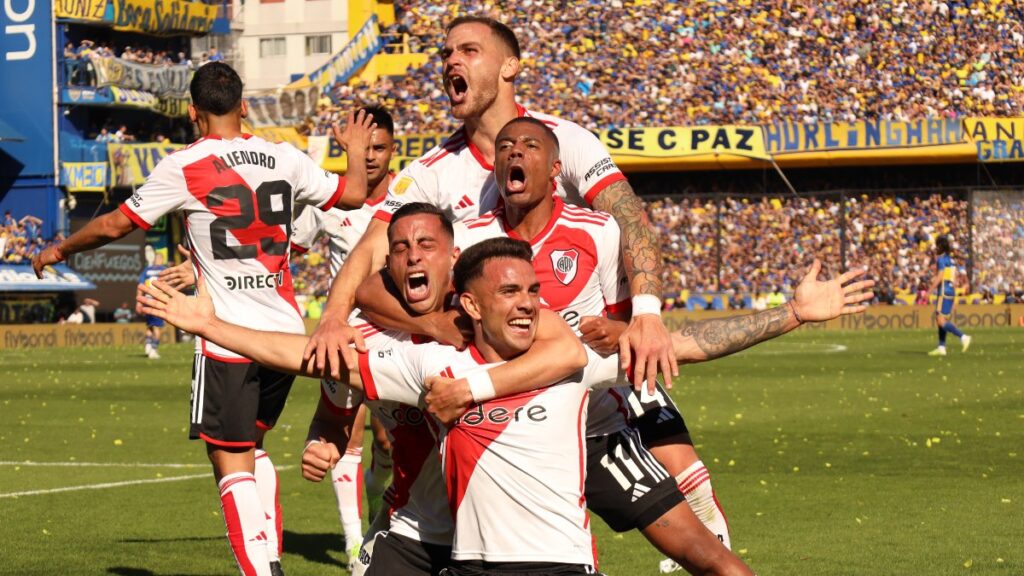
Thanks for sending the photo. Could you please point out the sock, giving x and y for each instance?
(695, 484)
(266, 485)
(244, 518)
(953, 330)
(379, 474)
(942, 337)
(347, 479)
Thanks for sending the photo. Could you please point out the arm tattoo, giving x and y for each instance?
(640, 249)
(723, 336)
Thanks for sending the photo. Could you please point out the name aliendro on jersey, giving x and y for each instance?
(236, 157)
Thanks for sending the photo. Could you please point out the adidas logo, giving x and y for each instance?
(344, 478)
(466, 202)
(346, 222)
(639, 491)
(261, 537)
(664, 415)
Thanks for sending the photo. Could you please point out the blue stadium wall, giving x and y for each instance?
(28, 183)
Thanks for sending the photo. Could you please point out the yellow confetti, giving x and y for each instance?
(969, 563)
(118, 442)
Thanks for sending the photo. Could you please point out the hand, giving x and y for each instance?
(452, 328)
(183, 275)
(647, 347)
(192, 315)
(48, 257)
(330, 345)
(447, 398)
(601, 334)
(817, 301)
(356, 137)
(318, 459)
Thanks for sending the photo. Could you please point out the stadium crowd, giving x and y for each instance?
(617, 63)
(758, 246)
(21, 238)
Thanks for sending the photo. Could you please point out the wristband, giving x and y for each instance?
(310, 443)
(792, 308)
(646, 304)
(481, 386)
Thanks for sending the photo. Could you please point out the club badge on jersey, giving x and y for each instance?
(563, 263)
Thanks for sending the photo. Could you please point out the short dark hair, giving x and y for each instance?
(535, 122)
(414, 208)
(216, 88)
(381, 117)
(470, 264)
(942, 244)
(503, 32)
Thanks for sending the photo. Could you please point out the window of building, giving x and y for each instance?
(318, 44)
(272, 47)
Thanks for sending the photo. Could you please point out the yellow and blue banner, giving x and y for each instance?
(163, 16)
(799, 137)
(682, 141)
(168, 106)
(131, 164)
(359, 50)
(997, 139)
(84, 176)
(82, 10)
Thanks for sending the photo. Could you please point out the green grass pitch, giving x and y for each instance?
(832, 453)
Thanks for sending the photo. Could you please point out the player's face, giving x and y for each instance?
(420, 261)
(378, 156)
(507, 297)
(525, 164)
(473, 57)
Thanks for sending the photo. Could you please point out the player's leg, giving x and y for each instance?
(274, 389)
(154, 352)
(663, 431)
(225, 397)
(946, 317)
(347, 480)
(378, 477)
(381, 523)
(629, 489)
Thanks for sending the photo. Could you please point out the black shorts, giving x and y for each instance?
(657, 418)
(397, 554)
(480, 568)
(231, 400)
(625, 485)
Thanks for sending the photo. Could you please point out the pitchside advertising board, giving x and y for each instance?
(27, 109)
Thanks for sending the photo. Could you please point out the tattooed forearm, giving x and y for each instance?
(640, 249)
(723, 336)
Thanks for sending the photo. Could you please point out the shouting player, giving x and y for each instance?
(944, 285)
(481, 63)
(237, 192)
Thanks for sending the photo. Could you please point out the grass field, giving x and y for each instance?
(832, 453)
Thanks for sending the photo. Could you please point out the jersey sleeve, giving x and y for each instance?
(586, 163)
(612, 270)
(305, 229)
(164, 191)
(474, 231)
(395, 373)
(411, 185)
(313, 184)
(603, 372)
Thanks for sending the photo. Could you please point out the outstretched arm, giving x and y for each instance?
(814, 301)
(276, 350)
(377, 299)
(645, 343)
(99, 231)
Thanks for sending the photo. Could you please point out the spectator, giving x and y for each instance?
(123, 314)
(88, 309)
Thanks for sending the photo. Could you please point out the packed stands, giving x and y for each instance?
(21, 238)
(605, 64)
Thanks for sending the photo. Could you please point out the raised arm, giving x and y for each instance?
(102, 230)
(354, 140)
(330, 343)
(645, 343)
(555, 354)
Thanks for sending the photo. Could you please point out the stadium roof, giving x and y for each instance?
(8, 133)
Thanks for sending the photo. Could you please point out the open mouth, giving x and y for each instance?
(516, 179)
(521, 325)
(457, 88)
(417, 287)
